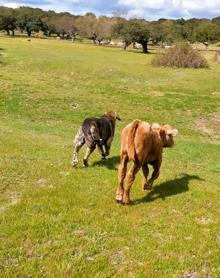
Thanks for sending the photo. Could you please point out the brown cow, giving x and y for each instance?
(143, 143)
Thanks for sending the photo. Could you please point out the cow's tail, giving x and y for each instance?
(131, 137)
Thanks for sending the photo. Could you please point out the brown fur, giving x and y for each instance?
(143, 144)
(131, 135)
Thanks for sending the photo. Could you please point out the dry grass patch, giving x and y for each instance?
(210, 126)
(217, 57)
(156, 94)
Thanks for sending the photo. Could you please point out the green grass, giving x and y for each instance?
(57, 221)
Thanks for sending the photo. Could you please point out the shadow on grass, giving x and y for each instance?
(168, 188)
(111, 163)
(139, 51)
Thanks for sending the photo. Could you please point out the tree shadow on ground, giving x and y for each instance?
(111, 163)
(168, 188)
(139, 51)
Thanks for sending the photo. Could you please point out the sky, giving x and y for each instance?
(148, 9)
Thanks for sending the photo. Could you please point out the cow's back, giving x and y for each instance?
(140, 142)
(106, 129)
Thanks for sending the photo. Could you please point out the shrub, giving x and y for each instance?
(217, 57)
(180, 56)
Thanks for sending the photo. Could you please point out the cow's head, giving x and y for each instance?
(113, 115)
(167, 133)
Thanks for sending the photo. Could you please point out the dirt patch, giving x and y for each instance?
(75, 106)
(42, 182)
(216, 94)
(156, 94)
(204, 221)
(13, 198)
(190, 275)
(79, 233)
(119, 256)
(210, 126)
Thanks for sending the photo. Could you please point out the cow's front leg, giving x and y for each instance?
(87, 154)
(122, 169)
(129, 181)
(154, 176)
(107, 149)
(108, 146)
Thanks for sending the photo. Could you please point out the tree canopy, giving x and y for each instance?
(104, 28)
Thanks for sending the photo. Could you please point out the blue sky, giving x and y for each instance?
(148, 9)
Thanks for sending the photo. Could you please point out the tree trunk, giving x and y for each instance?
(8, 32)
(144, 47)
(13, 33)
(29, 32)
(125, 46)
(206, 45)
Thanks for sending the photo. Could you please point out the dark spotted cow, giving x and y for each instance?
(95, 132)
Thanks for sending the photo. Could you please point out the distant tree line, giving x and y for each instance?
(105, 29)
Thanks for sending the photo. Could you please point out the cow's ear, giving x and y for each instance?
(173, 132)
(155, 126)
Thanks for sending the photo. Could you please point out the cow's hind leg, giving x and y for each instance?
(79, 142)
(122, 169)
(154, 176)
(101, 151)
(129, 181)
(145, 171)
(87, 154)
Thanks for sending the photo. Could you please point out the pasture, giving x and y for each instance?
(57, 221)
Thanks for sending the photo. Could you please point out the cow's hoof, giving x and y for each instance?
(147, 186)
(74, 163)
(125, 203)
(85, 163)
(118, 198)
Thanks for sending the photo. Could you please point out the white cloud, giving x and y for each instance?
(149, 9)
(56, 5)
(196, 5)
(10, 5)
(142, 4)
(168, 8)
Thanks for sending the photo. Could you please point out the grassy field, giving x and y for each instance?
(57, 221)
